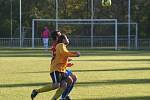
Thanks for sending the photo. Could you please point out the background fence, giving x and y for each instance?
(81, 42)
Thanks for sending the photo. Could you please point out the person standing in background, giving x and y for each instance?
(45, 36)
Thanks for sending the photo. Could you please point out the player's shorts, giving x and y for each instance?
(58, 77)
(68, 72)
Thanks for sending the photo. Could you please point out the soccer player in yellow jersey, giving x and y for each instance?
(71, 77)
(58, 69)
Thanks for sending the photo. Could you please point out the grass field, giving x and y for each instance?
(102, 75)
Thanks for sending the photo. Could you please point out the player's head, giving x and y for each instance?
(63, 39)
(55, 35)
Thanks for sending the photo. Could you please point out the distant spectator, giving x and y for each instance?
(45, 35)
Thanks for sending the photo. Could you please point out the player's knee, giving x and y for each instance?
(56, 85)
(69, 80)
(74, 77)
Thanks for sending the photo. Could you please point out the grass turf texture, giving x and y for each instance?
(102, 75)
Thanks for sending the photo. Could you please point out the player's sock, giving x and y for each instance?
(45, 88)
(67, 90)
(58, 93)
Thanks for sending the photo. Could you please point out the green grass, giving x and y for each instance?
(102, 75)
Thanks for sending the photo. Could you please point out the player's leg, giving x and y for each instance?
(55, 78)
(46, 88)
(71, 80)
(62, 88)
(46, 43)
(74, 78)
(67, 90)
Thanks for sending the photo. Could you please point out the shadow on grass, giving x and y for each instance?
(84, 84)
(121, 69)
(115, 60)
(24, 55)
(99, 70)
(22, 85)
(119, 98)
(114, 82)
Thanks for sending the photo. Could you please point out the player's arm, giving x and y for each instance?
(66, 53)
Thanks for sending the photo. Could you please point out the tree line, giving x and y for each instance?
(74, 9)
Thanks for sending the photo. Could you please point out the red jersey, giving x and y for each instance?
(53, 49)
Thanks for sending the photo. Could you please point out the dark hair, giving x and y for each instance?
(54, 35)
(60, 39)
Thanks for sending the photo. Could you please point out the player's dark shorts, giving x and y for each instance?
(58, 77)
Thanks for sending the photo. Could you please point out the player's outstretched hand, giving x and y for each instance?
(78, 54)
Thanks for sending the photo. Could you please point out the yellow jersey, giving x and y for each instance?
(61, 58)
